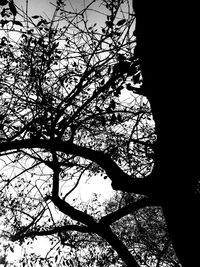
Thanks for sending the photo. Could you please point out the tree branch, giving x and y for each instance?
(55, 230)
(118, 245)
(73, 213)
(120, 180)
(114, 216)
(56, 172)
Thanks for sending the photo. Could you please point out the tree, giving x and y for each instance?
(77, 100)
(144, 232)
(63, 117)
(167, 63)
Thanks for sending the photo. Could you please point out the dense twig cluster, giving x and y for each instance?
(72, 106)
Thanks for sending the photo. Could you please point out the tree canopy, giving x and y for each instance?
(74, 107)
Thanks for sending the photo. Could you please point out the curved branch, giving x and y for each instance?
(120, 180)
(73, 213)
(118, 245)
(118, 214)
(56, 172)
(75, 186)
(55, 230)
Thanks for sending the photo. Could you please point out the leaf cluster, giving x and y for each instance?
(68, 81)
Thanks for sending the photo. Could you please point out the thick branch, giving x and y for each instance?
(118, 245)
(114, 216)
(73, 213)
(55, 230)
(120, 180)
(56, 172)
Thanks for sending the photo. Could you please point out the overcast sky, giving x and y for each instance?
(46, 7)
(42, 7)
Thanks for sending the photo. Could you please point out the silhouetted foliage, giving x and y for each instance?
(75, 108)
(67, 112)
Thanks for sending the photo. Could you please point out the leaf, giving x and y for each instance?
(4, 12)
(112, 105)
(119, 117)
(113, 119)
(55, 45)
(12, 249)
(103, 121)
(3, 2)
(121, 22)
(103, 30)
(35, 17)
(98, 109)
(2, 117)
(56, 258)
(12, 8)
(39, 23)
(4, 22)
(109, 69)
(102, 82)
(109, 24)
(7, 121)
(42, 22)
(16, 22)
(136, 78)
(129, 87)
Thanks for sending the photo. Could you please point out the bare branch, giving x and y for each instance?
(120, 180)
(73, 213)
(54, 230)
(117, 215)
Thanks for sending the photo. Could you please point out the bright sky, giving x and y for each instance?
(46, 7)
(37, 6)
(95, 184)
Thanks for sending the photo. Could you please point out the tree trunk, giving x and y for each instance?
(123, 252)
(183, 223)
(167, 48)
